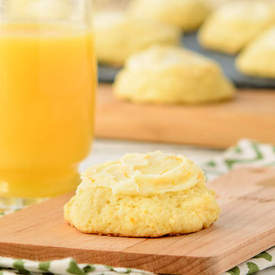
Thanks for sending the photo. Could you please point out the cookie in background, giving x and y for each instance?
(232, 26)
(185, 14)
(118, 36)
(258, 59)
(143, 195)
(172, 75)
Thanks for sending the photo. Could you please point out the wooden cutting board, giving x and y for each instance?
(245, 228)
(250, 115)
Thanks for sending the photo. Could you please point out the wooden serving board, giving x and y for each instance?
(245, 228)
(250, 115)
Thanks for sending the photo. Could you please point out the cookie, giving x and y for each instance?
(231, 27)
(143, 195)
(258, 59)
(172, 75)
(185, 14)
(118, 36)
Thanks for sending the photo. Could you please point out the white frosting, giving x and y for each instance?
(144, 174)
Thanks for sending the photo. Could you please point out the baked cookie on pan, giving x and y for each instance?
(143, 195)
(118, 36)
(186, 14)
(172, 75)
(258, 59)
(231, 27)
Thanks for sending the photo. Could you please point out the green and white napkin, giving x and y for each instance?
(245, 153)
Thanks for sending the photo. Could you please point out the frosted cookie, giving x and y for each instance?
(231, 27)
(143, 195)
(258, 59)
(186, 14)
(119, 36)
(172, 75)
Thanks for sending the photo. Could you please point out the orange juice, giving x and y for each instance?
(47, 88)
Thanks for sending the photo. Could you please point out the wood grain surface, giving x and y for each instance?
(251, 115)
(245, 228)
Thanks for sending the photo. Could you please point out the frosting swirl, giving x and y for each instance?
(144, 174)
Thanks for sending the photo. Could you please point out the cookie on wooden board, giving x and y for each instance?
(172, 75)
(143, 195)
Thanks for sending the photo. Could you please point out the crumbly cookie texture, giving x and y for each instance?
(185, 14)
(258, 58)
(143, 195)
(172, 75)
(230, 28)
(118, 36)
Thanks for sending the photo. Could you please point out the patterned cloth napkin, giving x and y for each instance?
(245, 153)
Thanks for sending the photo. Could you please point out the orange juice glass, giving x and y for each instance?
(47, 95)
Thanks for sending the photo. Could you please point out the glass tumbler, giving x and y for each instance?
(47, 95)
